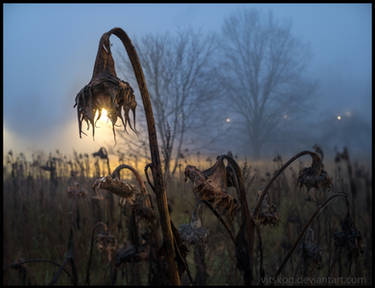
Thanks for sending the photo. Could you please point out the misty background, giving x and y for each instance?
(209, 69)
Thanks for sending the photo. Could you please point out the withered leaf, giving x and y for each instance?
(210, 185)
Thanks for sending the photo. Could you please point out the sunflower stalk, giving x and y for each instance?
(106, 90)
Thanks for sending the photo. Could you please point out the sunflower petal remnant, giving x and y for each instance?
(105, 90)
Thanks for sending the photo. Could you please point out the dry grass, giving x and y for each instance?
(38, 213)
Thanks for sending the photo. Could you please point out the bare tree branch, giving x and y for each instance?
(263, 78)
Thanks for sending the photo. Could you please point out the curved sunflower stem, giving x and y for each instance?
(307, 225)
(91, 250)
(147, 176)
(160, 190)
(278, 173)
(220, 219)
(116, 174)
(68, 259)
(37, 260)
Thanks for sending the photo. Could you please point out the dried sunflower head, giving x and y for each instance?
(105, 90)
(121, 188)
(268, 214)
(349, 237)
(314, 176)
(102, 153)
(194, 233)
(319, 150)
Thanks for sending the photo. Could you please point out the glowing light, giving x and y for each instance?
(104, 114)
(227, 120)
(338, 117)
(103, 117)
(285, 116)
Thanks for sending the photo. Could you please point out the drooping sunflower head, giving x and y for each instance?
(105, 91)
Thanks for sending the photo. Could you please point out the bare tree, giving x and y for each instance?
(181, 77)
(263, 66)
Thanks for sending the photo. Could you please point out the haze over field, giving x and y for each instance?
(50, 49)
(222, 144)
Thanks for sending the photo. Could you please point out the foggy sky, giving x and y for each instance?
(50, 49)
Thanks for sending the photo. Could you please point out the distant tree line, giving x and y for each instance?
(243, 88)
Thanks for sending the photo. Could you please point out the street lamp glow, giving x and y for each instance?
(227, 120)
(338, 117)
(285, 116)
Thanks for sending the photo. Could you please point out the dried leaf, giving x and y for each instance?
(210, 185)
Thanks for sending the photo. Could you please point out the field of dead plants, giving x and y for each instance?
(76, 219)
